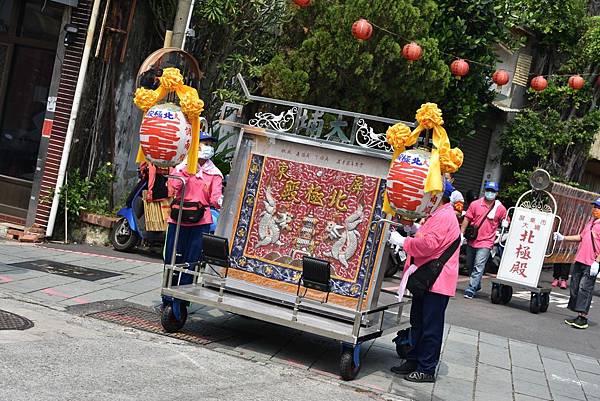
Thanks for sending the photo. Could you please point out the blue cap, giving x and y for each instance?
(491, 186)
(205, 136)
(596, 203)
(448, 189)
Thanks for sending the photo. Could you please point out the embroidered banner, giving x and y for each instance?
(292, 209)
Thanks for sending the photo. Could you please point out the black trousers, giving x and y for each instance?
(561, 271)
(427, 314)
(582, 288)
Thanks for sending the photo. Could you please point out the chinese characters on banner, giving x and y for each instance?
(165, 135)
(293, 209)
(525, 249)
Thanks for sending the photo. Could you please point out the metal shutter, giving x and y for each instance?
(475, 150)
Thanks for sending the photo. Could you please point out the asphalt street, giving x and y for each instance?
(66, 358)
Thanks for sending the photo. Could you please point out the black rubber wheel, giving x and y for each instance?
(168, 320)
(506, 293)
(348, 370)
(122, 237)
(495, 296)
(544, 301)
(534, 303)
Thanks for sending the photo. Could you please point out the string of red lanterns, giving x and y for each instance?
(362, 30)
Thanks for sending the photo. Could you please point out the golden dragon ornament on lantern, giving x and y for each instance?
(414, 182)
(169, 132)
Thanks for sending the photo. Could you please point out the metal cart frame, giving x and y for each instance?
(212, 287)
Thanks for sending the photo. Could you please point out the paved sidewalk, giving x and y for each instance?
(474, 365)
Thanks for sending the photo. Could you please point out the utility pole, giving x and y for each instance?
(182, 20)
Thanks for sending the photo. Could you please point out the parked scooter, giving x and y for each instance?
(130, 230)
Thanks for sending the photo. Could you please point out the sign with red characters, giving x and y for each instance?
(525, 249)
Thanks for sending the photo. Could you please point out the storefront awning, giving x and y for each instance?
(72, 3)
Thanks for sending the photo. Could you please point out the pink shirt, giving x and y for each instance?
(206, 187)
(438, 233)
(477, 214)
(585, 253)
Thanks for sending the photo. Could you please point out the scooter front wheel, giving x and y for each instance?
(122, 237)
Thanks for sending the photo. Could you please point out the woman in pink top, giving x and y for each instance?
(585, 269)
(427, 312)
(204, 188)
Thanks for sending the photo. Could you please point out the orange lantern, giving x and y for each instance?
(165, 135)
(406, 185)
(539, 83)
(459, 68)
(576, 82)
(302, 3)
(500, 77)
(362, 29)
(412, 51)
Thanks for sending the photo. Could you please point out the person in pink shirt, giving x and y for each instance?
(484, 216)
(427, 313)
(204, 190)
(585, 269)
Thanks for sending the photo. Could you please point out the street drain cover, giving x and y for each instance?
(195, 331)
(65, 269)
(10, 321)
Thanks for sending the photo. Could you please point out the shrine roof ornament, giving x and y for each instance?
(331, 125)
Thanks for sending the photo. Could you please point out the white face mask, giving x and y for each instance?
(206, 152)
(490, 195)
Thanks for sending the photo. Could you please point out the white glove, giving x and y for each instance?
(594, 268)
(505, 223)
(558, 237)
(396, 240)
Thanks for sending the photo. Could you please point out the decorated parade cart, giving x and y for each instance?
(301, 237)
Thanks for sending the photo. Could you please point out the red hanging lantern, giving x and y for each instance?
(302, 3)
(362, 29)
(459, 68)
(412, 51)
(539, 83)
(500, 77)
(165, 135)
(406, 185)
(576, 82)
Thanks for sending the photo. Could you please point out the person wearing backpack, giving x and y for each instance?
(432, 278)
(479, 227)
(585, 270)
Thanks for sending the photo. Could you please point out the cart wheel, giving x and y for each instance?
(506, 292)
(534, 303)
(544, 301)
(348, 368)
(169, 321)
(495, 293)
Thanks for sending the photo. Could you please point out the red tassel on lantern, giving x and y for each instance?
(576, 82)
(459, 68)
(362, 29)
(412, 51)
(500, 77)
(302, 3)
(539, 83)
